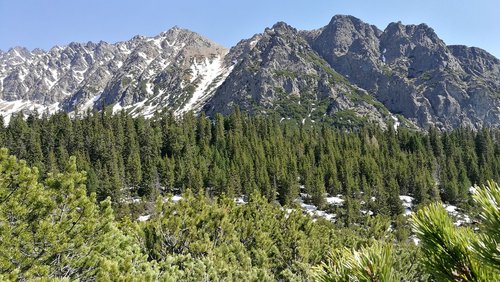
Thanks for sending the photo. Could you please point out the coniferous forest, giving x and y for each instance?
(71, 190)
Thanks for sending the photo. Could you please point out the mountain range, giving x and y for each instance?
(346, 72)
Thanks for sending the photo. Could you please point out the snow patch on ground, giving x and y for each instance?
(176, 198)
(370, 213)
(472, 190)
(144, 217)
(458, 217)
(407, 204)
(415, 240)
(313, 211)
(450, 208)
(336, 200)
(241, 200)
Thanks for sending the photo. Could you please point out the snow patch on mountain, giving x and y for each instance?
(212, 73)
(156, 41)
(90, 103)
(8, 108)
(149, 88)
(397, 123)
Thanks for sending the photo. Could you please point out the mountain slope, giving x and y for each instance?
(413, 72)
(161, 71)
(278, 70)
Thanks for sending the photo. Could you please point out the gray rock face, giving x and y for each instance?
(414, 73)
(345, 70)
(279, 71)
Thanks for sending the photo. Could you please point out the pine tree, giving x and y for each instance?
(53, 229)
(448, 255)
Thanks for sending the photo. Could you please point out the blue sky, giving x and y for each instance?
(45, 23)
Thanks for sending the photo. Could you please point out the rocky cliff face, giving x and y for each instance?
(347, 71)
(413, 72)
(279, 71)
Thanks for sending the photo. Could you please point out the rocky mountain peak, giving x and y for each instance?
(348, 68)
(417, 34)
(282, 27)
(344, 33)
(349, 22)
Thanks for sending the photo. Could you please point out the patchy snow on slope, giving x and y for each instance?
(54, 74)
(22, 74)
(171, 44)
(124, 49)
(90, 103)
(396, 122)
(156, 41)
(79, 75)
(117, 108)
(212, 75)
(8, 108)
(145, 57)
(49, 82)
(162, 63)
(149, 88)
(54, 108)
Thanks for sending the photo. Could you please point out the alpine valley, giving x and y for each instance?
(345, 153)
(346, 72)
